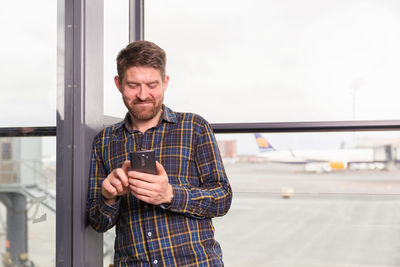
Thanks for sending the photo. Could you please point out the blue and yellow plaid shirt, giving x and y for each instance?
(181, 234)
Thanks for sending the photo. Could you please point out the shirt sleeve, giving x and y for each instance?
(214, 195)
(101, 216)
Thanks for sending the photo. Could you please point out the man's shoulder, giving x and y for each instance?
(186, 118)
(107, 132)
(189, 117)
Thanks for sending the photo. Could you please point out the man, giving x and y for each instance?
(162, 219)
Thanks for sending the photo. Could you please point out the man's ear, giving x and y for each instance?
(165, 82)
(118, 83)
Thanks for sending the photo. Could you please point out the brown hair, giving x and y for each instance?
(141, 53)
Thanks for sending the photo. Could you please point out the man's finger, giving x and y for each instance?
(150, 178)
(116, 183)
(122, 176)
(109, 188)
(142, 184)
(140, 191)
(160, 169)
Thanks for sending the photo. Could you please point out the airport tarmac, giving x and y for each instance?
(337, 219)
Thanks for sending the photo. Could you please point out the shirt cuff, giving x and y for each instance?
(106, 209)
(180, 201)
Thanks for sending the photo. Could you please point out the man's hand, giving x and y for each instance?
(152, 189)
(116, 184)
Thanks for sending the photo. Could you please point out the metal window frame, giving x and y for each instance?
(136, 20)
(27, 131)
(79, 117)
(309, 126)
(257, 127)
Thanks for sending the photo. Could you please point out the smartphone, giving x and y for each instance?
(144, 161)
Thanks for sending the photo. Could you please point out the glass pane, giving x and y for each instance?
(28, 66)
(311, 199)
(280, 60)
(27, 201)
(116, 37)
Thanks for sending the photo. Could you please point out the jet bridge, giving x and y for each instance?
(23, 190)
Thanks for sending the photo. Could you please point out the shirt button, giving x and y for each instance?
(155, 261)
(146, 206)
(149, 234)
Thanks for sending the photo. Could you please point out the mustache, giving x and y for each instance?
(138, 101)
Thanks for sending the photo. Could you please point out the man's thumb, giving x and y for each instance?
(126, 166)
(160, 169)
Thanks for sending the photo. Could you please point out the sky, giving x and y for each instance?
(280, 60)
(271, 60)
(230, 61)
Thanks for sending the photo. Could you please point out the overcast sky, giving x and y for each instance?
(271, 60)
(230, 61)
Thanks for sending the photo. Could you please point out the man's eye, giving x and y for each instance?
(152, 85)
(132, 85)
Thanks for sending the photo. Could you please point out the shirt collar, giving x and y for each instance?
(167, 115)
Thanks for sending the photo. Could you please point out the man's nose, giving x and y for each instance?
(143, 93)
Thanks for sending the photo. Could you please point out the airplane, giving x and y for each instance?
(317, 160)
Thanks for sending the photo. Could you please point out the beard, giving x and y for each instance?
(145, 113)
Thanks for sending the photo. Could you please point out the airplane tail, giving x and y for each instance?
(263, 144)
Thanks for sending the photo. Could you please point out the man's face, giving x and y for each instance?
(142, 90)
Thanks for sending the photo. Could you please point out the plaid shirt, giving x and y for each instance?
(182, 233)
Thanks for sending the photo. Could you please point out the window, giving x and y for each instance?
(30, 67)
(116, 37)
(316, 198)
(258, 61)
(28, 205)
(29, 63)
(313, 199)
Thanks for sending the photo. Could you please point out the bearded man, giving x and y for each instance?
(161, 219)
